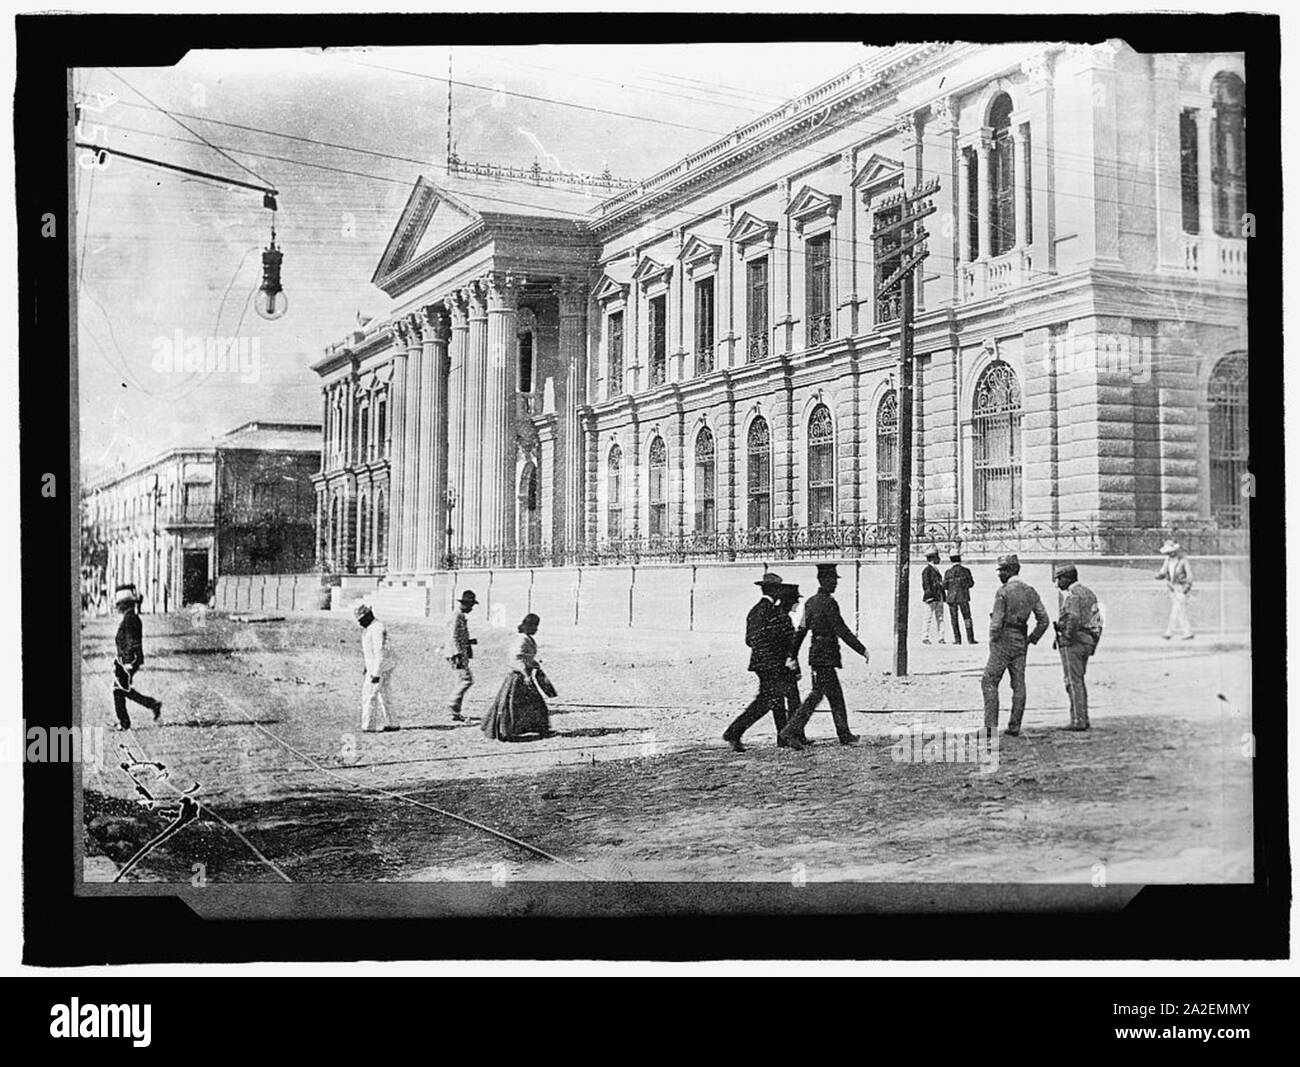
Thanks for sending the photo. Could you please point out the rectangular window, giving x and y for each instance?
(658, 340)
(364, 438)
(1002, 167)
(817, 273)
(704, 319)
(756, 309)
(614, 353)
(1188, 162)
(1029, 189)
(705, 503)
(973, 204)
(888, 304)
(760, 490)
(381, 428)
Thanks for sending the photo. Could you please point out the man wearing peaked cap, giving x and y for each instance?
(822, 618)
(769, 645)
(1078, 631)
(1009, 640)
(460, 650)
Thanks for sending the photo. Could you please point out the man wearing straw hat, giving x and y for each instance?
(460, 650)
(822, 618)
(130, 658)
(932, 597)
(769, 655)
(377, 712)
(1177, 575)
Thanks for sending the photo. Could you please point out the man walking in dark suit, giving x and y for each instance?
(787, 600)
(770, 650)
(957, 582)
(130, 658)
(822, 617)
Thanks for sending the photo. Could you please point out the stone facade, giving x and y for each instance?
(715, 328)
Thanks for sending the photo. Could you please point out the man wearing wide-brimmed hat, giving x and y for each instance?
(932, 598)
(769, 654)
(460, 650)
(1177, 575)
(130, 658)
(822, 619)
(1078, 630)
(377, 712)
(1009, 641)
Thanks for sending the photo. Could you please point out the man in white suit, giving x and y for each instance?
(376, 693)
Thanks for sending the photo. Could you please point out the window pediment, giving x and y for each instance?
(877, 175)
(749, 229)
(809, 204)
(610, 289)
(699, 254)
(649, 271)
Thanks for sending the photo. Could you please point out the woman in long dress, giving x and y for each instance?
(519, 708)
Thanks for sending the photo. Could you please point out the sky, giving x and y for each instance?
(160, 252)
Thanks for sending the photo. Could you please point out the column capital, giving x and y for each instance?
(501, 290)
(573, 297)
(906, 126)
(474, 298)
(943, 114)
(401, 331)
(435, 322)
(415, 327)
(979, 141)
(455, 305)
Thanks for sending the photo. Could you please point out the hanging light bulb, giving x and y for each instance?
(270, 302)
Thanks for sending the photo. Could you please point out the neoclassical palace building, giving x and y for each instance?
(698, 364)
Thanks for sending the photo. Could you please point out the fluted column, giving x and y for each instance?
(498, 502)
(431, 519)
(411, 449)
(396, 464)
(473, 443)
(573, 359)
(457, 310)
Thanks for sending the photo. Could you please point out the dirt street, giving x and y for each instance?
(636, 783)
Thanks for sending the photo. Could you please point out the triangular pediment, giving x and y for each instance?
(697, 251)
(610, 289)
(878, 173)
(749, 228)
(809, 202)
(431, 217)
(649, 270)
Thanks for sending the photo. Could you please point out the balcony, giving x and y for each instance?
(1214, 257)
(987, 278)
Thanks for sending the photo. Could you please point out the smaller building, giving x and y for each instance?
(243, 505)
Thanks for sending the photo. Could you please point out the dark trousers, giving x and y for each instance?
(772, 687)
(124, 690)
(825, 683)
(970, 628)
(1007, 654)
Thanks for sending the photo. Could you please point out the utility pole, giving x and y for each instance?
(908, 253)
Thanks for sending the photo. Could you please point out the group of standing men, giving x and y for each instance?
(952, 588)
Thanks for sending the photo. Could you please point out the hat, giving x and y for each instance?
(932, 554)
(125, 594)
(1170, 547)
(1064, 569)
(363, 609)
(955, 558)
(468, 597)
(789, 589)
(827, 570)
(1010, 561)
(769, 579)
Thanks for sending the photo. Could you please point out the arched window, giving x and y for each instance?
(821, 466)
(996, 444)
(1229, 439)
(658, 487)
(614, 505)
(758, 453)
(1228, 147)
(381, 529)
(705, 483)
(887, 459)
(1002, 178)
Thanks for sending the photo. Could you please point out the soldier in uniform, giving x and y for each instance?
(460, 650)
(932, 596)
(957, 582)
(1078, 631)
(770, 651)
(130, 658)
(1009, 639)
(822, 617)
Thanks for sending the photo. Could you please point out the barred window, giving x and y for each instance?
(614, 353)
(658, 340)
(658, 487)
(1229, 439)
(614, 504)
(704, 319)
(756, 309)
(817, 274)
(821, 467)
(997, 448)
(1002, 178)
(887, 459)
(705, 483)
(1228, 145)
(759, 460)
